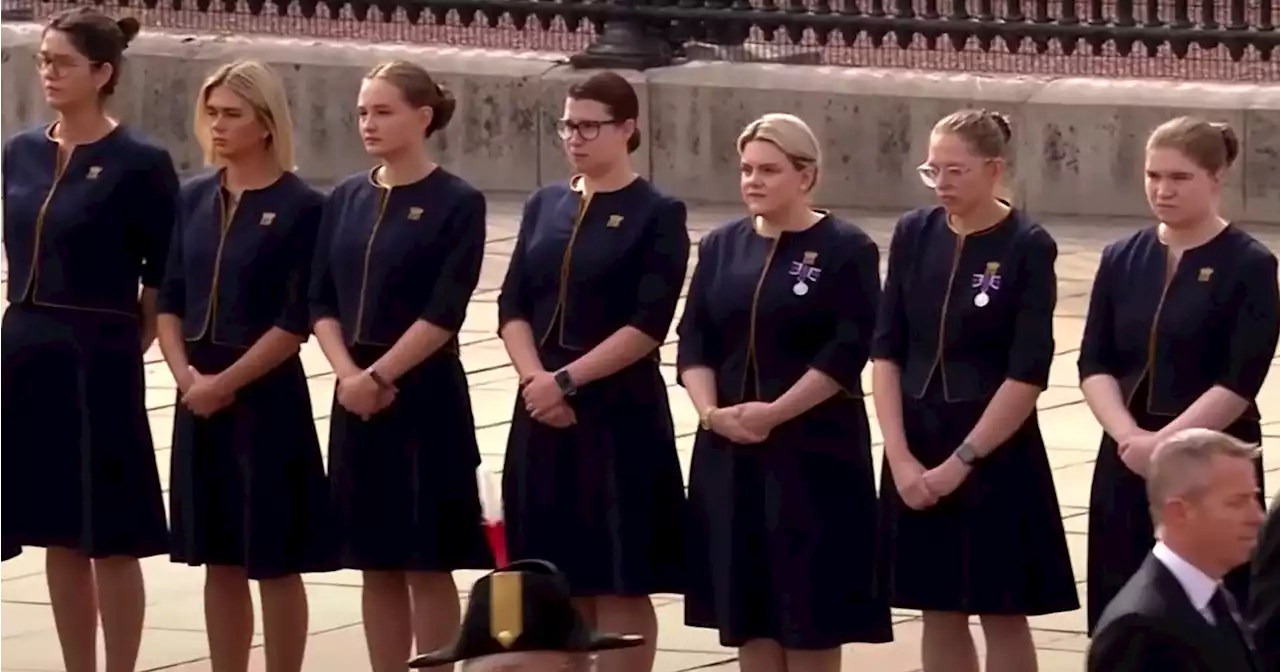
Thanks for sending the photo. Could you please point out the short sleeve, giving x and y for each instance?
(666, 260)
(845, 356)
(1032, 353)
(512, 300)
(172, 298)
(322, 295)
(1256, 326)
(1097, 346)
(694, 346)
(460, 273)
(889, 341)
(156, 215)
(299, 254)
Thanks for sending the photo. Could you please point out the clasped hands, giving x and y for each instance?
(1135, 448)
(921, 488)
(746, 423)
(204, 395)
(545, 402)
(361, 395)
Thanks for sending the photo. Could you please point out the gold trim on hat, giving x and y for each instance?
(506, 607)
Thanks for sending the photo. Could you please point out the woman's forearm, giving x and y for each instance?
(813, 388)
(1006, 413)
(886, 395)
(328, 333)
(1102, 394)
(517, 338)
(700, 384)
(173, 346)
(419, 342)
(1216, 409)
(271, 350)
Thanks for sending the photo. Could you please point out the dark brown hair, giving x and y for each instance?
(419, 89)
(987, 133)
(1211, 145)
(98, 37)
(617, 95)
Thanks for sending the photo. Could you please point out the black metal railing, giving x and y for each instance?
(1200, 39)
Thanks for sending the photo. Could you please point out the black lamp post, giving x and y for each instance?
(626, 43)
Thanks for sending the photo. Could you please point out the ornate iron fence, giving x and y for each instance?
(1195, 39)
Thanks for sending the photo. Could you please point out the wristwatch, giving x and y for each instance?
(967, 454)
(565, 382)
(704, 420)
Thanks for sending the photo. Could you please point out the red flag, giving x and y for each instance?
(495, 527)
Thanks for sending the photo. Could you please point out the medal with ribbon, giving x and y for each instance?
(805, 273)
(986, 283)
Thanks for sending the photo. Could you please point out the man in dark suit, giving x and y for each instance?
(1174, 615)
(1264, 602)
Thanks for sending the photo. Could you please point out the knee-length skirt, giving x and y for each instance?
(994, 546)
(603, 499)
(247, 485)
(79, 463)
(404, 482)
(783, 535)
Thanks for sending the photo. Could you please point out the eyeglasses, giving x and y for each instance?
(56, 65)
(587, 129)
(932, 175)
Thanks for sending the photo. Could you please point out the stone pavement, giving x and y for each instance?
(174, 638)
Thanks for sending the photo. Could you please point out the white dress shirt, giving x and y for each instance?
(1199, 586)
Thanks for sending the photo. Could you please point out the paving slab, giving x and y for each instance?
(174, 638)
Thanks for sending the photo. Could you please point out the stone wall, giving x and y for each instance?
(1078, 142)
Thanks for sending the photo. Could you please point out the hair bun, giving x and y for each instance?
(1229, 139)
(129, 27)
(1002, 121)
(442, 111)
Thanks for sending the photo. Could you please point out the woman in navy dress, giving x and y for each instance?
(1182, 325)
(773, 340)
(961, 352)
(88, 212)
(592, 482)
(248, 493)
(396, 263)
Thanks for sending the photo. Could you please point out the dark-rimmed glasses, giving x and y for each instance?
(587, 129)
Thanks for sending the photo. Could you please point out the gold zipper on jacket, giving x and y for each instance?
(752, 362)
(228, 214)
(31, 287)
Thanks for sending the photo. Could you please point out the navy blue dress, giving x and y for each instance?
(1168, 336)
(404, 482)
(79, 463)
(247, 485)
(960, 315)
(780, 534)
(603, 499)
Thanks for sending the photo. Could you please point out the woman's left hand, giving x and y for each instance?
(541, 393)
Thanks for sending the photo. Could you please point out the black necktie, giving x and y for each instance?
(1227, 619)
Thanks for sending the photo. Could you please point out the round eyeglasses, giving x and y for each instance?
(932, 175)
(587, 129)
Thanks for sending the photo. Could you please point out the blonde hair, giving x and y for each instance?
(1180, 464)
(987, 133)
(259, 86)
(791, 135)
(1213, 146)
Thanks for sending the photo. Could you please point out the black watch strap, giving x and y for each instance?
(565, 382)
